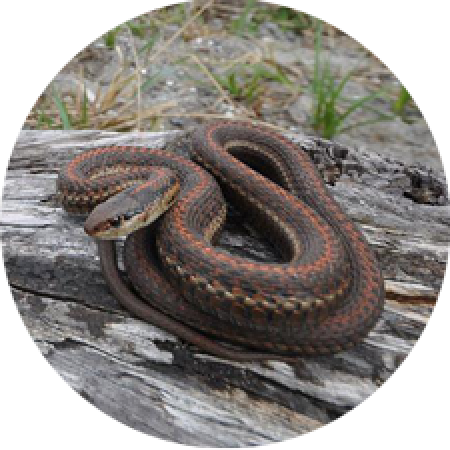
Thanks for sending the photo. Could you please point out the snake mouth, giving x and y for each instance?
(125, 223)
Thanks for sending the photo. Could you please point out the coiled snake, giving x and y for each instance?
(325, 294)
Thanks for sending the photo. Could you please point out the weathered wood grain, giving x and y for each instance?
(150, 380)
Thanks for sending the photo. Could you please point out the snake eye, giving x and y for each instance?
(115, 222)
(128, 215)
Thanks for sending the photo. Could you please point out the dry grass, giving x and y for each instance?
(241, 84)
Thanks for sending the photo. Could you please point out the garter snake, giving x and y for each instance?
(323, 296)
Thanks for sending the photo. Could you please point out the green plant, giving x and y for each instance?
(327, 117)
(80, 120)
(110, 37)
(261, 71)
(43, 120)
(230, 83)
(136, 28)
(244, 23)
(244, 82)
(84, 108)
(286, 18)
(62, 109)
(402, 100)
(149, 44)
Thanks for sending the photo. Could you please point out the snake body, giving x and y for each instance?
(325, 293)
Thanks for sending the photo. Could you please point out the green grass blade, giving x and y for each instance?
(379, 113)
(337, 92)
(43, 119)
(136, 30)
(359, 103)
(239, 25)
(148, 84)
(62, 109)
(402, 100)
(149, 45)
(84, 108)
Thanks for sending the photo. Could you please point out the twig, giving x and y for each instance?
(130, 120)
(138, 79)
(250, 56)
(213, 80)
(224, 116)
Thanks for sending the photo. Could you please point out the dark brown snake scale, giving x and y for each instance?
(324, 295)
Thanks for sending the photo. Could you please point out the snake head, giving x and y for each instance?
(134, 207)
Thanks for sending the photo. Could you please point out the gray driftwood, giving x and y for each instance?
(155, 383)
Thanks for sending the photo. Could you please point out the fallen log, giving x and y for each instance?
(153, 382)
